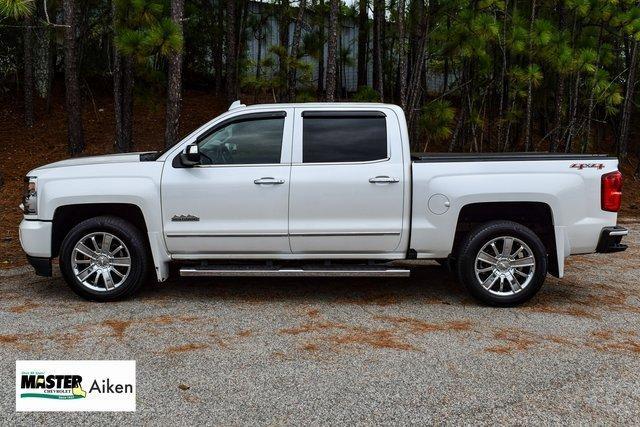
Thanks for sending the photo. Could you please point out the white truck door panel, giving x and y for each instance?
(348, 206)
(237, 202)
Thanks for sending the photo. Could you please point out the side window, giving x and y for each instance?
(244, 142)
(328, 138)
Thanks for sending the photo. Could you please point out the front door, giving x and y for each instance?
(347, 187)
(236, 201)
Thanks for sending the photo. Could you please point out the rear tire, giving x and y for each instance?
(502, 263)
(104, 259)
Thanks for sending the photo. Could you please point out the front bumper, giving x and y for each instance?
(610, 238)
(35, 238)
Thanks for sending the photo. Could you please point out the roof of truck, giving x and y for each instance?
(334, 105)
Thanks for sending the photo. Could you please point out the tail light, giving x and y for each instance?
(611, 191)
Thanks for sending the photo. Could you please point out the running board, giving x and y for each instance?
(242, 271)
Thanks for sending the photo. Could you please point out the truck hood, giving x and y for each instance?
(92, 160)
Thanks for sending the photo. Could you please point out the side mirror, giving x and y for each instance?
(191, 156)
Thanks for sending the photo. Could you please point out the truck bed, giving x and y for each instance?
(502, 157)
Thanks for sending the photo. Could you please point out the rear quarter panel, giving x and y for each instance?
(573, 195)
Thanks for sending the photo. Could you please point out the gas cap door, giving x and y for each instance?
(439, 204)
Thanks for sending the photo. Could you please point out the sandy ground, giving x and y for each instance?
(328, 351)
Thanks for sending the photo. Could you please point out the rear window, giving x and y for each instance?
(343, 137)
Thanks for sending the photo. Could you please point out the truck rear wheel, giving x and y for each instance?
(502, 263)
(104, 259)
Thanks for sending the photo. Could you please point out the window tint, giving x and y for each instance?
(256, 141)
(343, 139)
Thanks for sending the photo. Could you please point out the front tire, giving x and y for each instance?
(104, 259)
(502, 263)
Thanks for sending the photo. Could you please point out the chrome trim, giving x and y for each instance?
(242, 165)
(227, 235)
(383, 179)
(367, 162)
(293, 272)
(268, 180)
(619, 233)
(327, 234)
(347, 233)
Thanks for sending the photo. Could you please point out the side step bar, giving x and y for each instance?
(243, 271)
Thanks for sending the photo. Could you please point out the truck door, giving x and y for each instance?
(236, 202)
(347, 186)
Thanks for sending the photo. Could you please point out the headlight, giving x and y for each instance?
(30, 199)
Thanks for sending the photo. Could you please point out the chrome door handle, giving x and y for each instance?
(269, 180)
(383, 179)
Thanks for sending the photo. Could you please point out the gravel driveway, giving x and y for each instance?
(333, 351)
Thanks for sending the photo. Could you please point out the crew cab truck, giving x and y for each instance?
(318, 189)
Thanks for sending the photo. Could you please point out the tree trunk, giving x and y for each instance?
(51, 69)
(174, 84)
(283, 33)
(402, 56)
(321, 76)
(628, 102)
(503, 89)
(415, 86)
(217, 49)
(378, 25)
(295, 49)
(75, 131)
(574, 114)
(117, 98)
(117, 86)
(125, 143)
(556, 138)
(28, 71)
(527, 134)
(232, 75)
(332, 51)
(363, 40)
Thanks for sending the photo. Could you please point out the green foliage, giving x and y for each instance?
(436, 120)
(272, 80)
(366, 94)
(16, 9)
(143, 31)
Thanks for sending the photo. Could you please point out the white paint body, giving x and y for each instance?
(322, 210)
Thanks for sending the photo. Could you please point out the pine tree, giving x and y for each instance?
(332, 51)
(174, 84)
(75, 129)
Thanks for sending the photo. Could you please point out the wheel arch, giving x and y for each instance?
(68, 216)
(538, 216)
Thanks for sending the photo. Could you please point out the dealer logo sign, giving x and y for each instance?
(75, 385)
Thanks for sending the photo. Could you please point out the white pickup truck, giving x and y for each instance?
(317, 190)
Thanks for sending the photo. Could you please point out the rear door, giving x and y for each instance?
(347, 188)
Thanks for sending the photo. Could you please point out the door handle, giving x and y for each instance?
(269, 180)
(383, 180)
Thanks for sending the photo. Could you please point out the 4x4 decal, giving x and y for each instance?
(587, 165)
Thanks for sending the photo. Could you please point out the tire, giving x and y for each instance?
(77, 261)
(497, 271)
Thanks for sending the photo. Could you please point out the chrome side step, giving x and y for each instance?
(243, 271)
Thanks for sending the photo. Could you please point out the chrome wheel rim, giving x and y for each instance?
(101, 261)
(505, 266)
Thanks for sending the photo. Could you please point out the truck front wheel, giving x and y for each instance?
(104, 259)
(502, 263)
